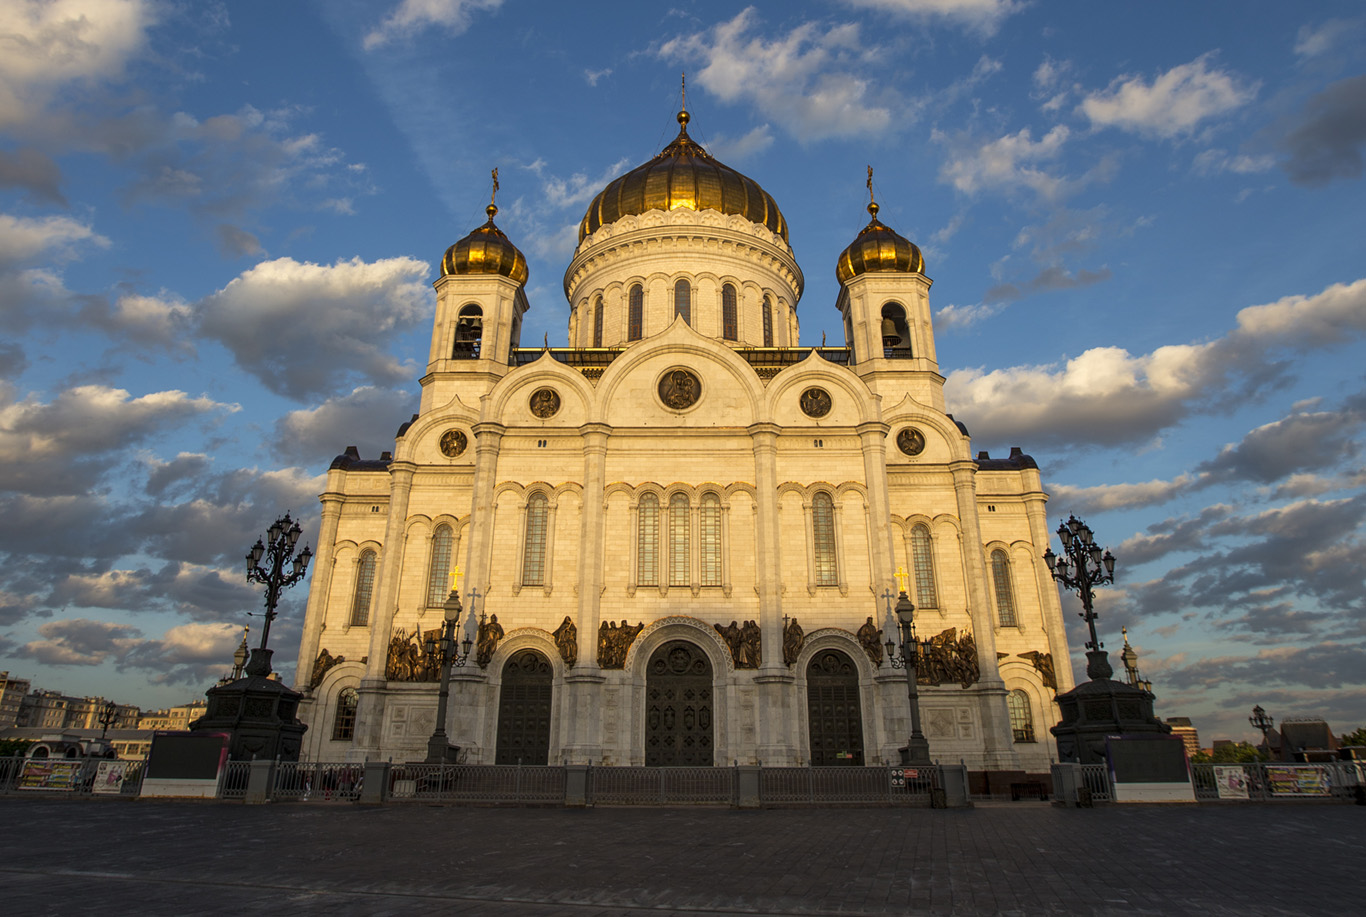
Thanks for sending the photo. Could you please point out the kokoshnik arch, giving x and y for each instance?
(681, 534)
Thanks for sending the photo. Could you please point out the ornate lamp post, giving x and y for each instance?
(108, 714)
(1260, 720)
(1081, 568)
(447, 653)
(917, 750)
(281, 538)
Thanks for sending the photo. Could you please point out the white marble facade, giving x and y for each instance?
(771, 484)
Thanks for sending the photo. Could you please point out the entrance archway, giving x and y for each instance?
(524, 710)
(679, 727)
(833, 712)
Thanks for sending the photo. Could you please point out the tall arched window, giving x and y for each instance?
(597, 323)
(1021, 718)
(365, 585)
(728, 319)
(533, 555)
(647, 541)
(896, 336)
(710, 535)
(439, 572)
(678, 541)
(1005, 595)
(768, 321)
(683, 300)
(469, 330)
(344, 723)
(635, 322)
(823, 534)
(921, 555)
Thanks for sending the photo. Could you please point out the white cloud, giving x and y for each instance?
(810, 81)
(159, 320)
(1174, 103)
(1105, 497)
(983, 16)
(737, 149)
(592, 76)
(1008, 162)
(412, 16)
(579, 188)
(79, 641)
(45, 44)
(303, 329)
(23, 239)
(1313, 40)
(367, 417)
(1214, 161)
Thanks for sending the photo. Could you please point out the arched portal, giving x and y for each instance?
(836, 721)
(679, 728)
(524, 710)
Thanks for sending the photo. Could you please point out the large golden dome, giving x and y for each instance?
(878, 248)
(687, 176)
(485, 251)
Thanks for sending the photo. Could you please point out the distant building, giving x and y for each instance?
(1306, 738)
(177, 718)
(1182, 727)
(12, 693)
(55, 710)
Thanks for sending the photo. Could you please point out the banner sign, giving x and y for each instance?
(1298, 781)
(50, 774)
(1231, 781)
(109, 777)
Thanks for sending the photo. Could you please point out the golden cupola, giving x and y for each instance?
(683, 175)
(878, 248)
(486, 251)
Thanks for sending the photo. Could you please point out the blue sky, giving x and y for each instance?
(219, 224)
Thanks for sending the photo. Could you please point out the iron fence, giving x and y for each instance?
(1268, 781)
(848, 785)
(1095, 779)
(232, 781)
(317, 781)
(492, 783)
(663, 786)
(67, 776)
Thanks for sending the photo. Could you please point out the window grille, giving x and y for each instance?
(636, 321)
(921, 560)
(823, 533)
(437, 588)
(647, 541)
(683, 300)
(728, 318)
(1005, 596)
(533, 556)
(344, 724)
(711, 540)
(1021, 719)
(597, 323)
(678, 541)
(365, 584)
(768, 322)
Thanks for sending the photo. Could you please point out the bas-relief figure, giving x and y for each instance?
(567, 641)
(870, 638)
(614, 642)
(793, 639)
(486, 643)
(745, 642)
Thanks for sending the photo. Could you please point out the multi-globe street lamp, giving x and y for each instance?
(278, 551)
(109, 713)
(1260, 720)
(1082, 567)
(448, 654)
(917, 750)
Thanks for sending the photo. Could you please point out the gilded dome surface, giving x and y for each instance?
(683, 175)
(878, 248)
(485, 251)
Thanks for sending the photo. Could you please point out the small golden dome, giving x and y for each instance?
(485, 251)
(687, 176)
(878, 248)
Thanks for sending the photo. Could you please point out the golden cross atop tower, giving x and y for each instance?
(871, 200)
(902, 577)
(683, 86)
(494, 195)
(456, 573)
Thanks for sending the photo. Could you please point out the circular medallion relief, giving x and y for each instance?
(911, 441)
(815, 402)
(545, 402)
(453, 443)
(679, 389)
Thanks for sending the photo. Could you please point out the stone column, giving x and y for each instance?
(881, 548)
(776, 744)
(488, 437)
(583, 738)
(320, 587)
(1037, 514)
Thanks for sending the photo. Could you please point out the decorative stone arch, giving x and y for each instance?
(544, 371)
(834, 638)
(524, 494)
(1019, 675)
(455, 412)
(815, 369)
(680, 627)
(988, 550)
(526, 638)
(838, 639)
(343, 675)
(852, 487)
(740, 487)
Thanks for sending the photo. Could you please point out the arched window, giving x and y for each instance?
(683, 300)
(438, 574)
(365, 585)
(921, 561)
(469, 330)
(728, 319)
(344, 723)
(768, 321)
(1021, 719)
(533, 555)
(896, 336)
(635, 323)
(597, 323)
(823, 534)
(678, 541)
(710, 535)
(1005, 595)
(647, 541)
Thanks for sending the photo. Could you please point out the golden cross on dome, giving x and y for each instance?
(870, 186)
(901, 577)
(455, 578)
(683, 84)
(495, 187)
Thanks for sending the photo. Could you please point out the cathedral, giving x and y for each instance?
(680, 539)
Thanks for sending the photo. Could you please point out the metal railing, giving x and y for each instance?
(232, 780)
(848, 785)
(70, 776)
(662, 786)
(492, 783)
(1095, 778)
(317, 782)
(1266, 781)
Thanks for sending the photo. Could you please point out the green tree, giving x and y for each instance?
(13, 748)
(1355, 737)
(1236, 753)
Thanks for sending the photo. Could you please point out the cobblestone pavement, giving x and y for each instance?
(163, 857)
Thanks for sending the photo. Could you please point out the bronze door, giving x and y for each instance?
(678, 707)
(832, 696)
(524, 710)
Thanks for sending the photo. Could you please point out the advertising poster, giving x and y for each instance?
(1231, 780)
(109, 777)
(50, 774)
(1298, 781)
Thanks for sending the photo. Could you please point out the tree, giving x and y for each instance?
(1236, 753)
(13, 748)
(1355, 737)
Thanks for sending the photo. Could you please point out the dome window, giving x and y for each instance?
(469, 332)
(728, 319)
(636, 318)
(683, 300)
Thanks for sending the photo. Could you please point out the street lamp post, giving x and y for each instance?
(917, 750)
(108, 714)
(448, 655)
(1260, 720)
(1081, 568)
(278, 551)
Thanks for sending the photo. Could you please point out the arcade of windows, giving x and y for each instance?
(682, 306)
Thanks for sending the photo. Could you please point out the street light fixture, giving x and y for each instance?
(108, 715)
(1260, 720)
(917, 750)
(448, 655)
(1081, 568)
(281, 538)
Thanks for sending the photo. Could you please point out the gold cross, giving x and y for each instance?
(494, 195)
(870, 184)
(455, 578)
(683, 85)
(902, 577)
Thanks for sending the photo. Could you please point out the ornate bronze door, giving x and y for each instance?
(524, 710)
(678, 707)
(832, 697)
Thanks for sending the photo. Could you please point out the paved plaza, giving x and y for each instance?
(143, 857)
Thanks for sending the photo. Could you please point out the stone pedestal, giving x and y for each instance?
(1098, 708)
(258, 713)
